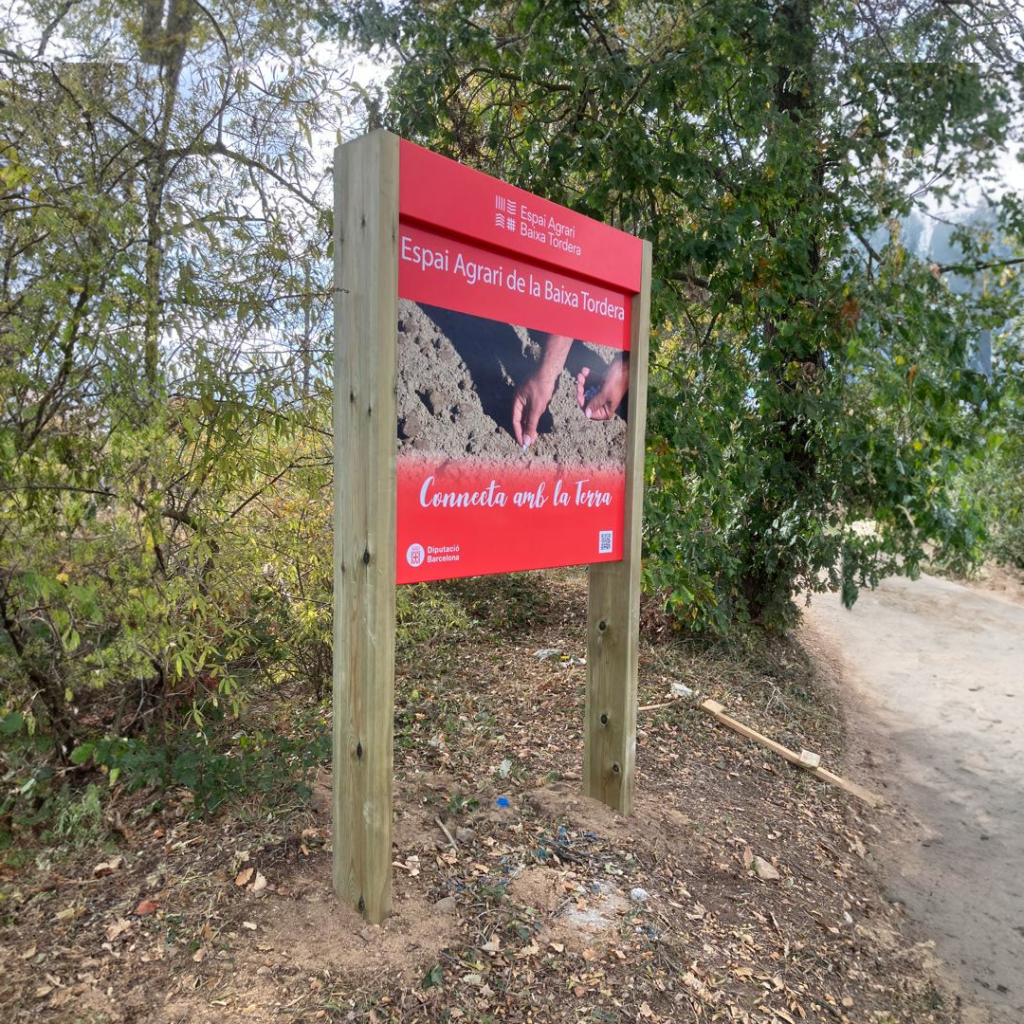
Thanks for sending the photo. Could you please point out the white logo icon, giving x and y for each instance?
(505, 215)
(414, 555)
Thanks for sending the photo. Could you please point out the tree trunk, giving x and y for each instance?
(768, 590)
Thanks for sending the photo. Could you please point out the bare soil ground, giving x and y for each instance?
(551, 909)
(934, 674)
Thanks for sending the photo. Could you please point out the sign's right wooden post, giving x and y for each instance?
(613, 602)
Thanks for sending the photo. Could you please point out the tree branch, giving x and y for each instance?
(970, 267)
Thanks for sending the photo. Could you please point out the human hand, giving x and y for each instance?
(601, 401)
(529, 404)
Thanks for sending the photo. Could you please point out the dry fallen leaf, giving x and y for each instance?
(243, 876)
(108, 867)
(646, 1011)
(147, 907)
(493, 946)
(558, 947)
(260, 884)
(29, 953)
(119, 927)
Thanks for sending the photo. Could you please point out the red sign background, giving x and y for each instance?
(475, 245)
(457, 200)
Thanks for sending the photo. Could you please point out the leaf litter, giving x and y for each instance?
(763, 902)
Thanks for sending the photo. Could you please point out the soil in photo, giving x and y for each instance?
(457, 376)
(742, 889)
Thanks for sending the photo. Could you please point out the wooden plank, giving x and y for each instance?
(873, 799)
(365, 347)
(713, 708)
(613, 603)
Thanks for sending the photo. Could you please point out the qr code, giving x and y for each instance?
(604, 541)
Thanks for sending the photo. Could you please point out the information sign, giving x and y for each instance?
(518, 390)
(514, 323)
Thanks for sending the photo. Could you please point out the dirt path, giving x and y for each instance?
(936, 675)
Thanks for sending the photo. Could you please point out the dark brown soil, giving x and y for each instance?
(552, 909)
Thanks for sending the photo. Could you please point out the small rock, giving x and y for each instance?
(465, 835)
(639, 895)
(764, 870)
(263, 971)
(446, 905)
(436, 401)
(547, 652)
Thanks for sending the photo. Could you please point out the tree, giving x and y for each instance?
(163, 321)
(808, 372)
(996, 474)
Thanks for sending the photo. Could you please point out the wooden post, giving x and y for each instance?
(365, 346)
(613, 603)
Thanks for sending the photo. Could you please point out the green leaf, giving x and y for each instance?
(11, 723)
(433, 978)
(82, 753)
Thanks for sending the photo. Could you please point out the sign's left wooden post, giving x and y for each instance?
(365, 326)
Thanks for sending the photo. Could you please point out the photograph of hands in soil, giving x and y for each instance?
(473, 390)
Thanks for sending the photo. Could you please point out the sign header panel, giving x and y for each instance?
(513, 375)
(461, 201)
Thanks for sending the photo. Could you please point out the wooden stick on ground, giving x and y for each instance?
(713, 708)
(448, 835)
(664, 704)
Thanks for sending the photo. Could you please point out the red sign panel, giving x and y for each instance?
(513, 372)
(457, 200)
